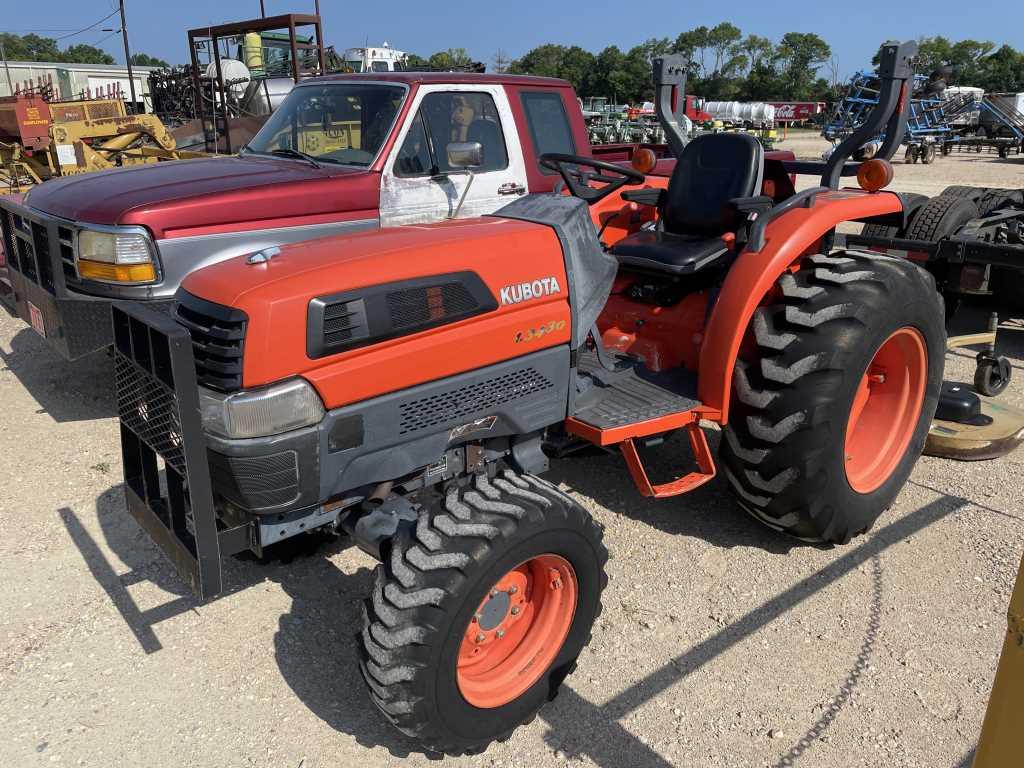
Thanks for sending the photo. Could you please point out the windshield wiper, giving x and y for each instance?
(296, 154)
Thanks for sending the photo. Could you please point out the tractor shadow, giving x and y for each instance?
(315, 644)
(609, 744)
(79, 390)
(317, 652)
(708, 513)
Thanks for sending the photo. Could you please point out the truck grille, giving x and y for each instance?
(218, 336)
(34, 252)
(7, 235)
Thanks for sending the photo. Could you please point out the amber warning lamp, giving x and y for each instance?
(644, 160)
(874, 175)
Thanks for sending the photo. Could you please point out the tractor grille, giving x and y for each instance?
(480, 397)
(256, 482)
(218, 336)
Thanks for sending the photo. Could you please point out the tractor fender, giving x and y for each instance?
(788, 236)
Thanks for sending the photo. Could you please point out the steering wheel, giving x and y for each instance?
(568, 166)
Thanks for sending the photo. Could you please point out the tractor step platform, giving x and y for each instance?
(632, 402)
(631, 395)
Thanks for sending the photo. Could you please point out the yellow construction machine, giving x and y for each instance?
(41, 139)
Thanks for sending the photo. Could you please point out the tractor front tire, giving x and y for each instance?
(480, 610)
(832, 403)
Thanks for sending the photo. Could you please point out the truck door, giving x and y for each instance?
(417, 184)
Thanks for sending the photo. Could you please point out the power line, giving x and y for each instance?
(86, 29)
(104, 39)
(71, 33)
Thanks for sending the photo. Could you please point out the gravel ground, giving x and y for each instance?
(721, 644)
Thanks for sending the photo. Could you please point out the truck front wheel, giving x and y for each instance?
(833, 401)
(480, 610)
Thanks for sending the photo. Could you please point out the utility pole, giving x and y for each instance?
(501, 62)
(263, 11)
(3, 55)
(127, 55)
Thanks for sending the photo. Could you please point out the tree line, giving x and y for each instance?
(32, 47)
(975, 62)
(722, 64)
(725, 64)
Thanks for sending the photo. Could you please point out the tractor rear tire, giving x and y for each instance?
(454, 653)
(849, 335)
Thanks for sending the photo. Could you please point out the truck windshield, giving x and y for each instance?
(341, 123)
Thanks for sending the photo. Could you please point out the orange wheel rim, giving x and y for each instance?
(517, 630)
(886, 409)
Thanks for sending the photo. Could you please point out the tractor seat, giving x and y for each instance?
(697, 220)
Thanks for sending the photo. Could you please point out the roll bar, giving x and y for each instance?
(669, 74)
(895, 73)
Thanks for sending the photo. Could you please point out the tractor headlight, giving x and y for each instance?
(116, 257)
(261, 412)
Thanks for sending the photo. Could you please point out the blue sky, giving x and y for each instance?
(853, 29)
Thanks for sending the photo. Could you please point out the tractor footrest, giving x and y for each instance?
(619, 407)
(631, 397)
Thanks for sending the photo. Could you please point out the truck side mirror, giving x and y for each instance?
(465, 154)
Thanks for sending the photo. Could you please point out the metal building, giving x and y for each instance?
(74, 79)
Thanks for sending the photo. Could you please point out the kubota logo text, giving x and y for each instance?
(513, 294)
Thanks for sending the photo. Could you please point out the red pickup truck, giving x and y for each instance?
(342, 153)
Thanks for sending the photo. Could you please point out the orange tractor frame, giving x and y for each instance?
(406, 386)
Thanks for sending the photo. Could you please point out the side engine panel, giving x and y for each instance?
(362, 316)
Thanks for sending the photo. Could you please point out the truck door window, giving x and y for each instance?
(444, 118)
(414, 157)
(549, 125)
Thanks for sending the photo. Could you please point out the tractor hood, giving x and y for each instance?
(216, 192)
(276, 295)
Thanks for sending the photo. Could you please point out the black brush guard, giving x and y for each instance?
(163, 447)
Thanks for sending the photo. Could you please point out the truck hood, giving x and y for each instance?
(186, 194)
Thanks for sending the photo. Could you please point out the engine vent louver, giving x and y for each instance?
(417, 307)
(476, 398)
(369, 315)
(344, 321)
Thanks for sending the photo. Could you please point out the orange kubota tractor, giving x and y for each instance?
(406, 386)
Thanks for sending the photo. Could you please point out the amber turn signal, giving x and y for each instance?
(116, 273)
(644, 160)
(874, 175)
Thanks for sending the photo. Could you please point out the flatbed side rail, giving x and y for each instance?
(166, 472)
(954, 250)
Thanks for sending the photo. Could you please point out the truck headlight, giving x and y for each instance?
(116, 257)
(261, 412)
